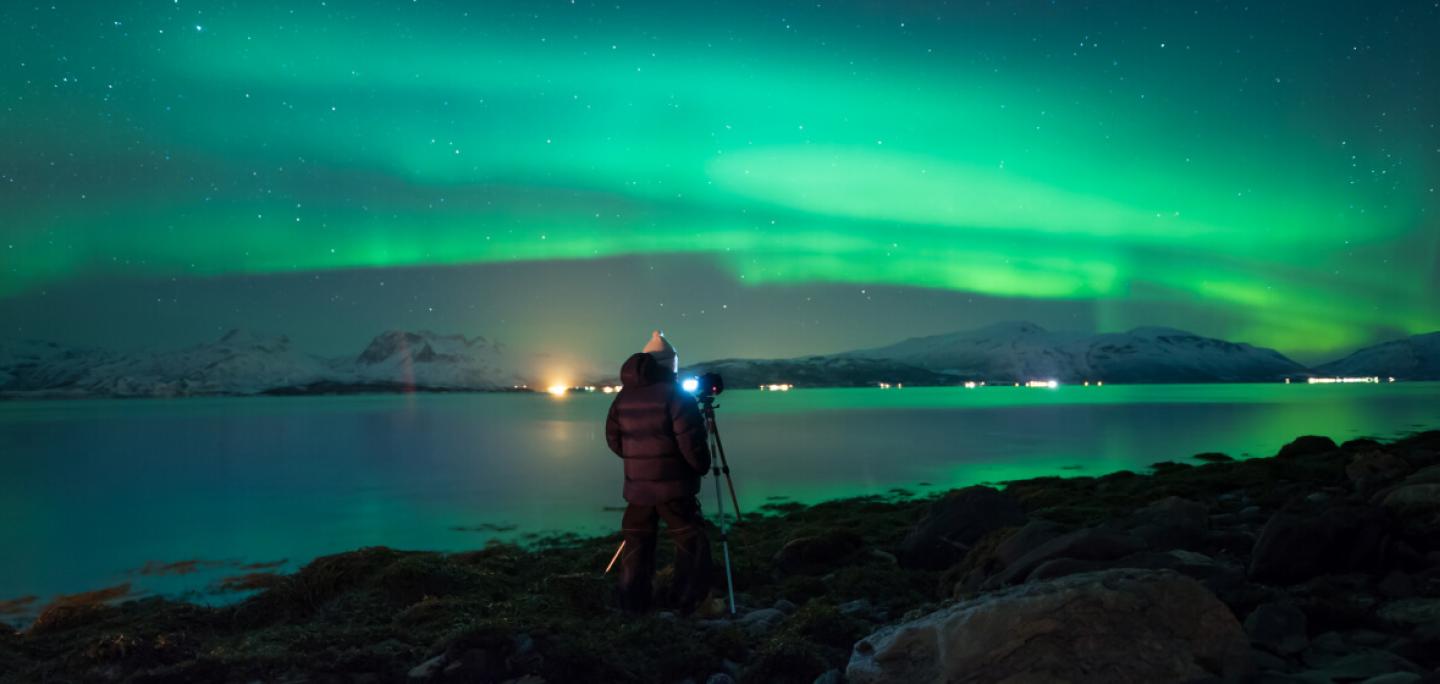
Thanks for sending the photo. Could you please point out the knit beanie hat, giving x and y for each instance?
(660, 348)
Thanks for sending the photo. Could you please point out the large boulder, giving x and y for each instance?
(1369, 470)
(984, 562)
(1306, 446)
(1426, 475)
(1417, 508)
(954, 523)
(1111, 626)
(1277, 627)
(1088, 544)
(1171, 523)
(1296, 545)
(819, 553)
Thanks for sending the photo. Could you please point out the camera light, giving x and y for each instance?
(690, 384)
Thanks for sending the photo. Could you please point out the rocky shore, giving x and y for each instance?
(1319, 564)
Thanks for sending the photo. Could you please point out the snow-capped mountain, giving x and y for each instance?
(241, 362)
(41, 364)
(1020, 351)
(1411, 358)
(429, 360)
(817, 371)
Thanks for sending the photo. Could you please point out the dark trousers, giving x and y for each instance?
(692, 554)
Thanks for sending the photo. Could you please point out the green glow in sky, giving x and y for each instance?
(1281, 188)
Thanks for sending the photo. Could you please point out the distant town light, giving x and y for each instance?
(1345, 380)
(557, 389)
(778, 387)
(970, 384)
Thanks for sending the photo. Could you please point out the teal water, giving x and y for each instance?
(92, 491)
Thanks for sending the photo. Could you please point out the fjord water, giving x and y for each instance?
(92, 491)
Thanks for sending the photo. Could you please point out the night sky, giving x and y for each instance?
(758, 178)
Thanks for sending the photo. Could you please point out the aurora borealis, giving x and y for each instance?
(760, 178)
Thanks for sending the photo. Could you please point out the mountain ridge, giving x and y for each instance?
(245, 362)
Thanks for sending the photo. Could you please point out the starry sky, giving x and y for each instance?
(759, 178)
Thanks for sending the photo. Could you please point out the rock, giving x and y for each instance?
(861, 608)
(1414, 499)
(1266, 661)
(720, 678)
(1188, 563)
(1396, 585)
(1251, 514)
(1061, 567)
(1422, 458)
(784, 606)
(1339, 659)
(1028, 538)
(1278, 628)
(1317, 497)
(1171, 523)
(1089, 544)
(829, 677)
(1234, 542)
(1130, 625)
(1213, 457)
(428, 669)
(1370, 469)
(883, 556)
(1325, 649)
(1224, 520)
(818, 554)
(761, 622)
(954, 523)
(1417, 508)
(1370, 662)
(1428, 475)
(1394, 678)
(1361, 444)
(1306, 446)
(1295, 546)
(476, 664)
(1368, 637)
(1411, 612)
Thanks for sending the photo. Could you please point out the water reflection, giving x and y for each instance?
(93, 490)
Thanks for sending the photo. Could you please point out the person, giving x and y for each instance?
(657, 429)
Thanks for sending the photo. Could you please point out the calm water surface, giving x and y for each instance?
(92, 491)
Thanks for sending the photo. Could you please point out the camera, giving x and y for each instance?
(705, 387)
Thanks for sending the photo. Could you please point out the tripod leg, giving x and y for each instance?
(724, 541)
(714, 430)
(729, 581)
(725, 467)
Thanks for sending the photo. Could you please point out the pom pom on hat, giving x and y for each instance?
(661, 349)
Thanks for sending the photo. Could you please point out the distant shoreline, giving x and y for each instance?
(353, 389)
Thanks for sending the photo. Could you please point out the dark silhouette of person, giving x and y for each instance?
(657, 428)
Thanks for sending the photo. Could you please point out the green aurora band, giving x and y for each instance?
(204, 139)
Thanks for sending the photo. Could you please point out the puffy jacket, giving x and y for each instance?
(657, 428)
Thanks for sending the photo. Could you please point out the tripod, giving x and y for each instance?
(720, 465)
